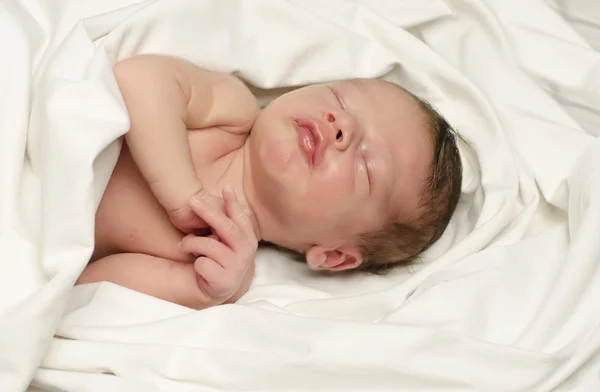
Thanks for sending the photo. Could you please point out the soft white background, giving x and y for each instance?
(508, 300)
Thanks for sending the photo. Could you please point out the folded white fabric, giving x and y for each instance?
(506, 301)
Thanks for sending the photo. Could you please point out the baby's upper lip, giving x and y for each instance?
(313, 128)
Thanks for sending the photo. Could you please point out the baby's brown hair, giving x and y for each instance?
(400, 243)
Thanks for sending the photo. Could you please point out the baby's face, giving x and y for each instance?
(331, 161)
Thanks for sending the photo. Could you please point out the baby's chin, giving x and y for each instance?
(278, 166)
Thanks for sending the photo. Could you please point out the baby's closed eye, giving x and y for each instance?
(338, 98)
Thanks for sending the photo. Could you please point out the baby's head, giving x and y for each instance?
(352, 174)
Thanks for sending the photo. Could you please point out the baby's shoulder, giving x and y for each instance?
(234, 106)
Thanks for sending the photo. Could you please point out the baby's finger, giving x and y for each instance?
(213, 280)
(216, 202)
(209, 247)
(214, 236)
(237, 213)
(207, 271)
(222, 225)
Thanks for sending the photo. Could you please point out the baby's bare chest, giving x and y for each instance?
(130, 219)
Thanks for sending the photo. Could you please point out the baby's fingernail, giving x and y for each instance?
(228, 188)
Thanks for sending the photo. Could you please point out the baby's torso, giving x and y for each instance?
(130, 219)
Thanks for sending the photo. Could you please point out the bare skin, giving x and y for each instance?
(190, 137)
(137, 242)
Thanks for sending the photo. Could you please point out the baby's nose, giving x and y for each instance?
(343, 128)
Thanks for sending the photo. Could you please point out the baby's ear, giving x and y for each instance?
(337, 259)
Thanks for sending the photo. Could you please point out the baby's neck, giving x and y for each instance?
(238, 176)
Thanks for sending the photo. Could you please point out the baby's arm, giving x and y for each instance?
(161, 278)
(221, 273)
(165, 97)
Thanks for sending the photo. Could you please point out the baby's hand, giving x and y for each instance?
(226, 256)
(186, 220)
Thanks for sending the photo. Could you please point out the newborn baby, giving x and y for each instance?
(356, 174)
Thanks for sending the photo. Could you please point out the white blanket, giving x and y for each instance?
(508, 300)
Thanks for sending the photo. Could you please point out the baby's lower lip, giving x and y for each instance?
(307, 142)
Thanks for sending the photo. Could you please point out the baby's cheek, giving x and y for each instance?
(336, 186)
(325, 205)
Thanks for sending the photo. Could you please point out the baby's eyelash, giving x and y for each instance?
(337, 97)
(368, 169)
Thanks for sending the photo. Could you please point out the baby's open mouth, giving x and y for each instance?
(307, 138)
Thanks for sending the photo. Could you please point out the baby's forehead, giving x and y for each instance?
(383, 92)
(366, 85)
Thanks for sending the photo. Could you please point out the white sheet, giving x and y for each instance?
(506, 301)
